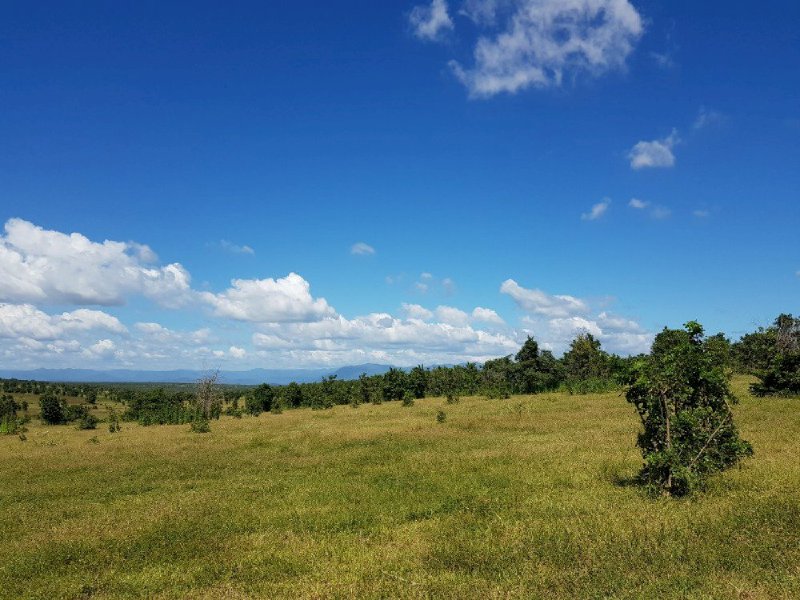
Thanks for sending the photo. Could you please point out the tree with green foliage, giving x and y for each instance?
(682, 395)
(394, 384)
(418, 381)
(293, 394)
(781, 372)
(52, 409)
(535, 371)
(587, 368)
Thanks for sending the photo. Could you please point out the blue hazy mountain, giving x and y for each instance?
(251, 377)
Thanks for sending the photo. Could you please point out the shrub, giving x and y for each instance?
(682, 396)
(200, 425)
(408, 399)
(780, 372)
(52, 409)
(88, 421)
(113, 422)
(441, 417)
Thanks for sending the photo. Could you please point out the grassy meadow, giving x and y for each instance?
(529, 497)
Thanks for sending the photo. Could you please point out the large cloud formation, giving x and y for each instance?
(50, 267)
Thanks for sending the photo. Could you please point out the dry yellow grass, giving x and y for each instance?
(519, 498)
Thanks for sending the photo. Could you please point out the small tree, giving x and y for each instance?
(682, 396)
(52, 409)
(780, 373)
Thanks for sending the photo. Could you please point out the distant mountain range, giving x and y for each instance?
(251, 377)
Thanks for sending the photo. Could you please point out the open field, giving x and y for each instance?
(522, 498)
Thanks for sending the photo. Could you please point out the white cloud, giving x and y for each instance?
(287, 299)
(486, 315)
(27, 321)
(101, 349)
(701, 214)
(638, 204)
(657, 153)
(452, 316)
(50, 267)
(429, 22)
(597, 211)
(540, 303)
(380, 337)
(362, 249)
(237, 352)
(556, 320)
(415, 311)
(542, 41)
(235, 248)
(707, 118)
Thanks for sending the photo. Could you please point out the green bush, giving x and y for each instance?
(52, 409)
(682, 395)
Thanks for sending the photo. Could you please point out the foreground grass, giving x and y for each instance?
(520, 498)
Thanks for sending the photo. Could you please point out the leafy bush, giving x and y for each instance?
(52, 409)
(682, 396)
(200, 425)
(88, 421)
(441, 416)
(780, 372)
(408, 399)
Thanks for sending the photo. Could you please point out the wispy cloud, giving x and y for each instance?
(707, 117)
(362, 249)
(638, 204)
(701, 213)
(539, 43)
(235, 248)
(657, 153)
(597, 211)
(430, 22)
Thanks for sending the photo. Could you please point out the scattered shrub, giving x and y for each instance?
(441, 416)
(682, 396)
(52, 409)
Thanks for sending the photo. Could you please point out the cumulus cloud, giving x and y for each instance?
(429, 22)
(49, 267)
(384, 338)
(287, 299)
(452, 316)
(657, 153)
(538, 302)
(539, 42)
(556, 320)
(415, 311)
(362, 249)
(27, 321)
(486, 315)
(237, 352)
(597, 211)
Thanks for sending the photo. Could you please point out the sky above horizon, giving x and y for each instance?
(334, 183)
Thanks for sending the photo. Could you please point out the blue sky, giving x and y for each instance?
(487, 152)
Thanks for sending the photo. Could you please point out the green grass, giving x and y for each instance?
(521, 498)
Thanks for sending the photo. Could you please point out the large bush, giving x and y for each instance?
(682, 395)
(779, 371)
(52, 409)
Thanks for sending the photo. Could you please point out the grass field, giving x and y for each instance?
(521, 498)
